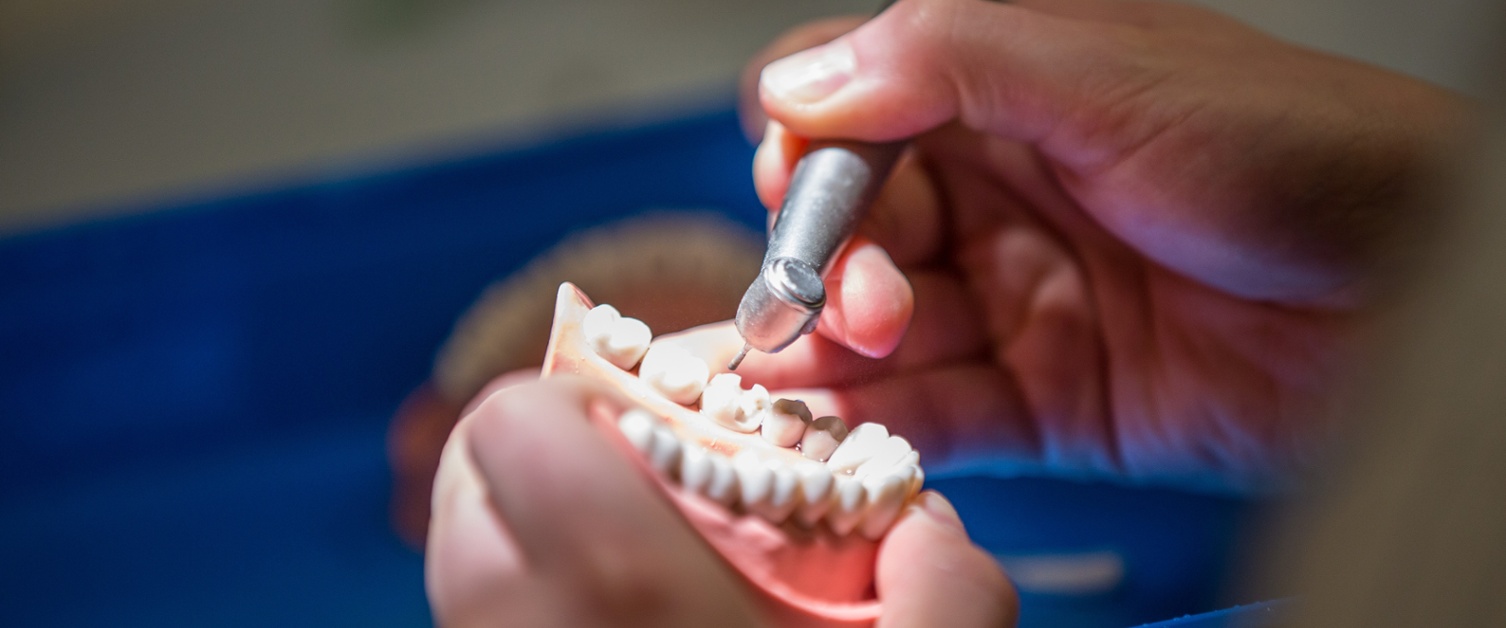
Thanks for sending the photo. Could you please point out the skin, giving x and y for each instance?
(1131, 238)
(546, 523)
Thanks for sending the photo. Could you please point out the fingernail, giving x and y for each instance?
(941, 511)
(811, 75)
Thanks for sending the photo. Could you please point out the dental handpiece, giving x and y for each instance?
(830, 191)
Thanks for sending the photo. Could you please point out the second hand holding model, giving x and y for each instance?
(831, 189)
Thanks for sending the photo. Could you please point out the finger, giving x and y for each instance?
(500, 382)
(800, 38)
(470, 552)
(906, 218)
(1007, 70)
(868, 300)
(557, 480)
(944, 329)
(930, 574)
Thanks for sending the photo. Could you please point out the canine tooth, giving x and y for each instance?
(822, 437)
(620, 340)
(664, 451)
(721, 485)
(637, 426)
(754, 478)
(886, 496)
(890, 453)
(858, 447)
(785, 423)
(674, 372)
(695, 469)
(722, 402)
(847, 507)
(815, 491)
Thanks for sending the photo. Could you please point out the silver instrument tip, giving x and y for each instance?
(738, 359)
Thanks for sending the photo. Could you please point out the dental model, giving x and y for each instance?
(797, 506)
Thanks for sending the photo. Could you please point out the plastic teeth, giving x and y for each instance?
(861, 445)
(726, 403)
(822, 437)
(621, 340)
(856, 481)
(674, 372)
(785, 423)
(771, 487)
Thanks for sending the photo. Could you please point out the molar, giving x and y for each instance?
(859, 446)
(728, 405)
(822, 437)
(674, 372)
(784, 425)
(620, 340)
(894, 452)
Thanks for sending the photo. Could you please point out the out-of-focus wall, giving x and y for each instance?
(107, 105)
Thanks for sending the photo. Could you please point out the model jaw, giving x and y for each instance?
(804, 534)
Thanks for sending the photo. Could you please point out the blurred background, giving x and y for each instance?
(106, 104)
(234, 234)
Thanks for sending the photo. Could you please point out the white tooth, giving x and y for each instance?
(722, 403)
(785, 423)
(597, 324)
(815, 491)
(888, 454)
(782, 500)
(665, 450)
(858, 447)
(620, 340)
(822, 437)
(637, 426)
(754, 406)
(754, 478)
(721, 487)
(886, 496)
(695, 469)
(918, 479)
(675, 373)
(847, 509)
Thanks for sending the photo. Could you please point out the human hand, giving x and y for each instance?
(540, 521)
(1136, 238)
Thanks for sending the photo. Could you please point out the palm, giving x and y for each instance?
(1087, 354)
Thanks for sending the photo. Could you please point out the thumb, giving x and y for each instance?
(1001, 69)
(930, 574)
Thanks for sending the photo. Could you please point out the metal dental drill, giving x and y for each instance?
(830, 191)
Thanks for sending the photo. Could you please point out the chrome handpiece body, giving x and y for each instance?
(830, 191)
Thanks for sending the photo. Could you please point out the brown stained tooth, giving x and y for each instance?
(822, 437)
(785, 423)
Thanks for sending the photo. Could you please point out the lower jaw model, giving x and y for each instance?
(797, 506)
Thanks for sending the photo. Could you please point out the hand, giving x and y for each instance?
(1134, 238)
(540, 521)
